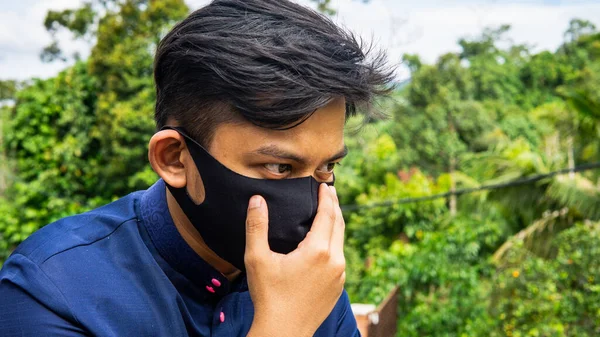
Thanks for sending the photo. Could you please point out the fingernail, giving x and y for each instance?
(255, 202)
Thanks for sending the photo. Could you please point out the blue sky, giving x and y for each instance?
(426, 27)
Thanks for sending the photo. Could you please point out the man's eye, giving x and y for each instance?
(328, 168)
(278, 168)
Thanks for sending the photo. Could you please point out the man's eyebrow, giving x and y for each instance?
(341, 154)
(274, 151)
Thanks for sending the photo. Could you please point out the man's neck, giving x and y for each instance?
(194, 240)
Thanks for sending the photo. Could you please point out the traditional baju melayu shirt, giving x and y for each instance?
(124, 270)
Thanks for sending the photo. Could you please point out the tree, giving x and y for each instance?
(51, 138)
(126, 33)
(8, 89)
(79, 140)
(578, 28)
(505, 108)
(324, 6)
(518, 260)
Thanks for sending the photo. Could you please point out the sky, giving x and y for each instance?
(428, 28)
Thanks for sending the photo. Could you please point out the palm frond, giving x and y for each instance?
(580, 195)
(582, 102)
(538, 236)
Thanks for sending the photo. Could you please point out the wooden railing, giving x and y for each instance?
(380, 321)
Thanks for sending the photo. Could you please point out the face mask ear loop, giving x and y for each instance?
(184, 134)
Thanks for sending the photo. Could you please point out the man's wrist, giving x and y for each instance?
(262, 328)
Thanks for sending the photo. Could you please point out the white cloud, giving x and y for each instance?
(428, 27)
(23, 36)
(433, 28)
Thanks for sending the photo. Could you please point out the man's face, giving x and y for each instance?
(310, 149)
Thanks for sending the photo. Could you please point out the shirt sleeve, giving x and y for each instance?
(31, 304)
(346, 323)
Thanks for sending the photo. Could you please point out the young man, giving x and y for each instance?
(243, 234)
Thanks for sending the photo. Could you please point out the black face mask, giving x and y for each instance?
(221, 217)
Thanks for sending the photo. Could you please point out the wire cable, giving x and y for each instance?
(516, 182)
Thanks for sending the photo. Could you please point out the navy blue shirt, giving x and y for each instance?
(124, 270)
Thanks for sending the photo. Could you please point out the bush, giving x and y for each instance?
(61, 149)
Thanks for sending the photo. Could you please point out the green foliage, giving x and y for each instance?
(324, 6)
(557, 297)
(370, 157)
(441, 273)
(517, 261)
(8, 89)
(79, 140)
(378, 226)
(503, 266)
(51, 138)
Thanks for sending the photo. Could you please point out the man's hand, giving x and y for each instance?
(293, 294)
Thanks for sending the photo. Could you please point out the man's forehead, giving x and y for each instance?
(321, 135)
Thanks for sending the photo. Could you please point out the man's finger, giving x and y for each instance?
(322, 227)
(257, 227)
(337, 237)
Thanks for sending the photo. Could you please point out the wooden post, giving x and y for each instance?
(452, 168)
(571, 156)
(452, 186)
(380, 321)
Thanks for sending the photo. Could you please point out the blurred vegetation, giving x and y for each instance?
(518, 261)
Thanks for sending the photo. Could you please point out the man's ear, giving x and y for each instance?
(167, 154)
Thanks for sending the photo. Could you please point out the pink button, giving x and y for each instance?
(216, 282)
(222, 317)
(210, 289)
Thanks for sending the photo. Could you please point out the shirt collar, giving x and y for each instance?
(172, 247)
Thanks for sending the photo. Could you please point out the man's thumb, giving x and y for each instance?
(257, 226)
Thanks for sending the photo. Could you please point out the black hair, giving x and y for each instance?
(273, 62)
